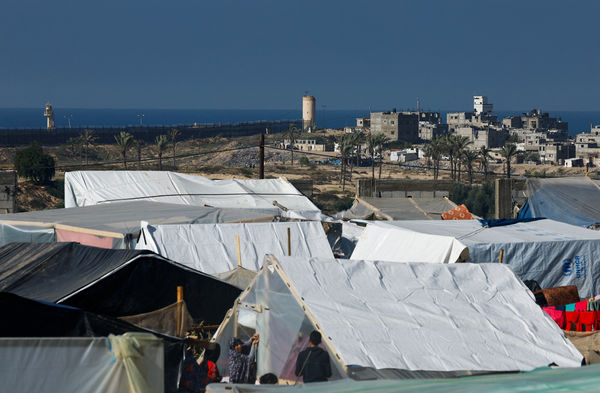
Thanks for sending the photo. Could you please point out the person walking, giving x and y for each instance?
(313, 364)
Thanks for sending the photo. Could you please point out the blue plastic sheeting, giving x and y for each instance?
(507, 221)
(573, 200)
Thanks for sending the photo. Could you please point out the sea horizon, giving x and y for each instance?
(28, 118)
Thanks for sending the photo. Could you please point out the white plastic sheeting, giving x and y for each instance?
(412, 316)
(131, 363)
(25, 234)
(551, 252)
(84, 188)
(212, 248)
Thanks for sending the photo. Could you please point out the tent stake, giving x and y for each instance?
(289, 242)
(501, 255)
(179, 310)
(237, 240)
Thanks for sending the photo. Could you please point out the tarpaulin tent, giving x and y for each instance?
(212, 248)
(84, 188)
(114, 225)
(410, 208)
(413, 316)
(543, 380)
(46, 347)
(550, 252)
(574, 200)
(110, 282)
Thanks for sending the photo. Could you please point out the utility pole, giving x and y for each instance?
(261, 157)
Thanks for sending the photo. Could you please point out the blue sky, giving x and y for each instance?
(263, 54)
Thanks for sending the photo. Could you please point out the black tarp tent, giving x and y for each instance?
(25, 317)
(110, 282)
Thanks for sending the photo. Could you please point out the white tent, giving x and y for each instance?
(411, 316)
(212, 248)
(84, 188)
(131, 363)
(550, 252)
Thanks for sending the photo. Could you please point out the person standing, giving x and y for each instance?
(313, 363)
(239, 362)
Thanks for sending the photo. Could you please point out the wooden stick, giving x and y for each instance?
(179, 310)
(289, 239)
(237, 240)
(501, 255)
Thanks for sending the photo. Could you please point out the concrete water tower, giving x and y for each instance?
(49, 114)
(308, 113)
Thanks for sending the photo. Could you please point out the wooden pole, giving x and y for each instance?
(237, 240)
(179, 310)
(289, 242)
(261, 157)
(501, 255)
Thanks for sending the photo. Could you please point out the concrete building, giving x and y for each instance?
(587, 145)
(481, 117)
(481, 106)
(49, 115)
(489, 137)
(556, 153)
(395, 125)
(363, 122)
(308, 113)
(429, 131)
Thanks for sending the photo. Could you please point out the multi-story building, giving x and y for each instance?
(363, 122)
(556, 153)
(481, 117)
(586, 145)
(489, 136)
(429, 131)
(397, 126)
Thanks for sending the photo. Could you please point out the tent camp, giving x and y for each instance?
(412, 316)
(212, 248)
(114, 225)
(550, 252)
(46, 347)
(574, 200)
(84, 188)
(117, 283)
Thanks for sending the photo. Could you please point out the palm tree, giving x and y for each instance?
(139, 145)
(382, 140)
(508, 152)
(161, 145)
(434, 150)
(292, 135)
(87, 138)
(460, 145)
(173, 133)
(124, 140)
(469, 157)
(484, 156)
(346, 146)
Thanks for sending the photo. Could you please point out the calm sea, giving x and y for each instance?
(33, 117)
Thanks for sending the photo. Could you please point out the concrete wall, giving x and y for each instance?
(8, 185)
(388, 188)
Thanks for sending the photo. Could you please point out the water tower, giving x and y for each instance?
(49, 114)
(308, 113)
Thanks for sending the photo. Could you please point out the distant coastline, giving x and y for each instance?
(579, 121)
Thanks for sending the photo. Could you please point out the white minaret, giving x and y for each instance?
(49, 114)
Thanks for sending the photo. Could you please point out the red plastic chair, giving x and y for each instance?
(571, 318)
(586, 321)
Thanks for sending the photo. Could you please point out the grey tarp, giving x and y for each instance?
(412, 208)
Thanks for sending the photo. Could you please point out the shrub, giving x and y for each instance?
(304, 161)
(478, 199)
(32, 163)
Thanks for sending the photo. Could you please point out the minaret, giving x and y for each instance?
(49, 114)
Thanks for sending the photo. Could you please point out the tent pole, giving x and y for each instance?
(289, 242)
(239, 254)
(501, 255)
(179, 310)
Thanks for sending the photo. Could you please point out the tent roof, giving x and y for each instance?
(212, 248)
(83, 188)
(420, 316)
(110, 282)
(124, 218)
(412, 208)
(574, 200)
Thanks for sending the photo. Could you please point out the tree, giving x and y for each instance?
(434, 151)
(374, 144)
(484, 156)
(34, 164)
(292, 135)
(381, 141)
(346, 146)
(173, 133)
(304, 161)
(469, 157)
(460, 146)
(87, 138)
(161, 142)
(124, 141)
(508, 152)
(139, 146)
